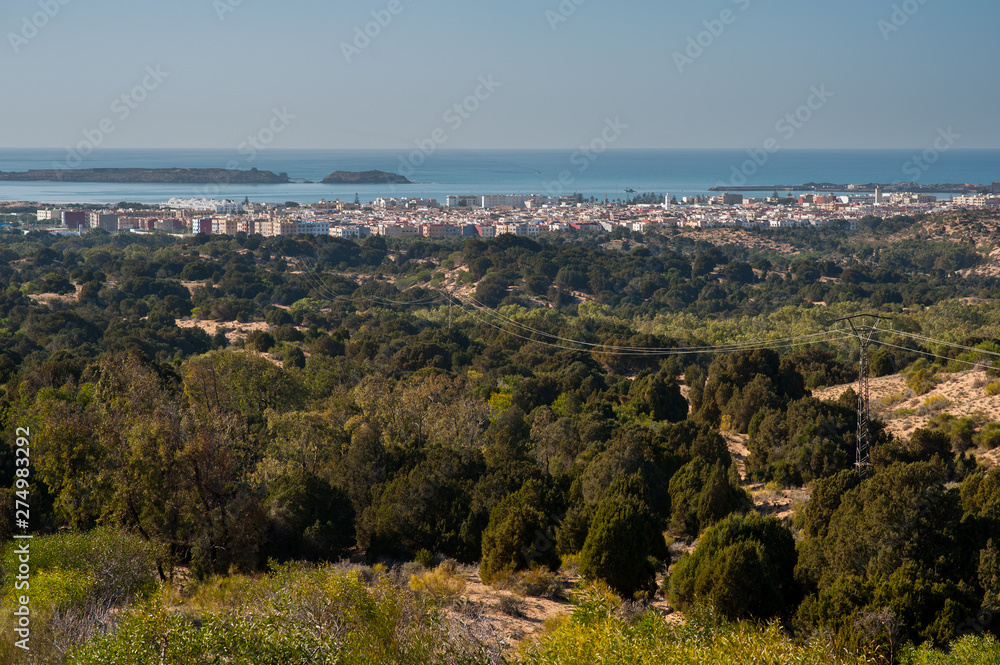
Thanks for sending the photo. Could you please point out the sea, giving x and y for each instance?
(603, 175)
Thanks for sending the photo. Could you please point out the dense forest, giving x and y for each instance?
(253, 428)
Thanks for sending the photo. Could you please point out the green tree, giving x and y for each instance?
(744, 566)
(620, 549)
(519, 535)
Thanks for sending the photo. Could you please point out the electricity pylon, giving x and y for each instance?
(864, 327)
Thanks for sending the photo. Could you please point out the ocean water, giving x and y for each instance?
(553, 172)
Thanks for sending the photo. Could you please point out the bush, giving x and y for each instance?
(988, 437)
(294, 358)
(509, 541)
(538, 582)
(297, 615)
(309, 518)
(260, 340)
(288, 333)
(597, 633)
(327, 346)
(79, 582)
(971, 650)
(443, 584)
(743, 566)
(618, 548)
(933, 405)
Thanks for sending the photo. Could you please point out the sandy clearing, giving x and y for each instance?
(902, 411)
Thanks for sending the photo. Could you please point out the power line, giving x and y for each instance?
(864, 333)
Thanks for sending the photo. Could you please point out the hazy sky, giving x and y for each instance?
(891, 73)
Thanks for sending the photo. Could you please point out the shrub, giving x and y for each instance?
(260, 340)
(597, 633)
(619, 546)
(511, 605)
(442, 584)
(288, 333)
(971, 650)
(933, 405)
(309, 518)
(988, 437)
(327, 346)
(296, 615)
(425, 558)
(921, 377)
(509, 541)
(993, 389)
(538, 582)
(743, 566)
(294, 358)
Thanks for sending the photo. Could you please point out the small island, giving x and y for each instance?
(365, 178)
(145, 176)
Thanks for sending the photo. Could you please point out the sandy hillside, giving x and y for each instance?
(963, 393)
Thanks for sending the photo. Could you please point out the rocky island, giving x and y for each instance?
(146, 176)
(365, 178)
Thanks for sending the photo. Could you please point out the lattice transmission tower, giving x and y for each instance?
(864, 327)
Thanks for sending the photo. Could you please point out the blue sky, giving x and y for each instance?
(230, 64)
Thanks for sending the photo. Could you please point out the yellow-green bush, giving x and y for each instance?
(971, 650)
(596, 634)
(443, 584)
(297, 615)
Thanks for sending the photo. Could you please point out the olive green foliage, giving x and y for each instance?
(740, 385)
(898, 558)
(298, 615)
(621, 547)
(597, 633)
(971, 650)
(744, 566)
(806, 440)
(309, 518)
(423, 416)
(660, 397)
(78, 582)
(702, 493)
(516, 537)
